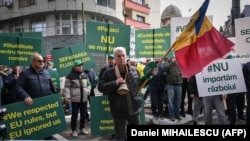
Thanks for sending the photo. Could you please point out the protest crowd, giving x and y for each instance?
(175, 86)
(165, 90)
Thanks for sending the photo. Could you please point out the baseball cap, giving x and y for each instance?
(78, 62)
(50, 63)
(111, 56)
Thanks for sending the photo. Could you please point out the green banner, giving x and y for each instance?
(18, 50)
(43, 118)
(64, 58)
(152, 43)
(33, 35)
(101, 119)
(24, 34)
(103, 37)
(55, 77)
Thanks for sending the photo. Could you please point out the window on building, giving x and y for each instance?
(51, 0)
(141, 2)
(106, 3)
(38, 24)
(66, 24)
(140, 18)
(1, 26)
(8, 3)
(16, 26)
(25, 3)
(102, 2)
(74, 23)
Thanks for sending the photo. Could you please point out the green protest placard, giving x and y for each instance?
(24, 34)
(101, 119)
(18, 50)
(36, 35)
(64, 58)
(103, 37)
(55, 77)
(152, 43)
(43, 118)
(16, 34)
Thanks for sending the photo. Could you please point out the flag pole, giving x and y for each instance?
(164, 56)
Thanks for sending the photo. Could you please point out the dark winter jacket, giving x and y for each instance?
(92, 77)
(122, 105)
(10, 83)
(77, 86)
(103, 70)
(173, 71)
(192, 86)
(1, 83)
(33, 84)
(159, 79)
(246, 73)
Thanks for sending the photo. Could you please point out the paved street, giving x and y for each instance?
(66, 135)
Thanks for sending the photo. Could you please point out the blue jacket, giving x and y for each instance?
(92, 77)
(159, 79)
(33, 84)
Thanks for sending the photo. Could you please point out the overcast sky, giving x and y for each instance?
(219, 9)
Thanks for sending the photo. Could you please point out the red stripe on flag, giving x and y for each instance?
(207, 48)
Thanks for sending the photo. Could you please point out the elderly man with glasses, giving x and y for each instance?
(34, 82)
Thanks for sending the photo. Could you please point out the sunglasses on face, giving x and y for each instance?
(40, 61)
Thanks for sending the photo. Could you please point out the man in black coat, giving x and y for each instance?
(125, 107)
(246, 73)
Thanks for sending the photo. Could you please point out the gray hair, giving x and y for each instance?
(118, 49)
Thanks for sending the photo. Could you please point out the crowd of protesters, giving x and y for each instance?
(167, 89)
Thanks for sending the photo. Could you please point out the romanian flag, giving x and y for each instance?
(200, 44)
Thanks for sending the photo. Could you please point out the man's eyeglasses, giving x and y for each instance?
(40, 61)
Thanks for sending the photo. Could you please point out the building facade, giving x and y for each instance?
(169, 12)
(62, 22)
